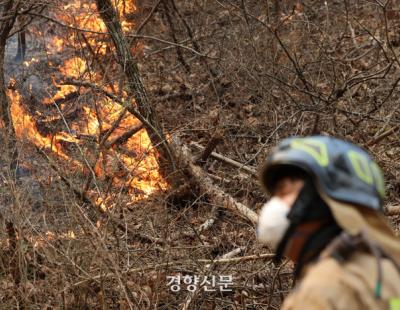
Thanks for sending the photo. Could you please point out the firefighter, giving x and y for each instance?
(326, 215)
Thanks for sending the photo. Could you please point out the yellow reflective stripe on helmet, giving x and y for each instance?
(380, 184)
(361, 166)
(314, 148)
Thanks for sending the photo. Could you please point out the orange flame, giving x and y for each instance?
(25, 127)
(138, 162)
(72, 68)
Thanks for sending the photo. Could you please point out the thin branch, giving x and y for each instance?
(216, 195)
(382, 136)
(121, 139)
(227, 160)
(146, 20)
(133, 36)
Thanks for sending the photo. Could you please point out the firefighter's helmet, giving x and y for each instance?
(341, 170)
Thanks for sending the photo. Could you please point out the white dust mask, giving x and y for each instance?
(273, 222)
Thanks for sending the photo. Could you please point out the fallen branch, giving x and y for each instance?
(382, 136)
(227, 160)
(237, 259)
(216, 195)
(219, 197)
(229, 255)
(121, 139)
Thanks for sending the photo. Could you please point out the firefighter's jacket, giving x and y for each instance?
(331, 284)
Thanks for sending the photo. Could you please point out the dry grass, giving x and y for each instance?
(320, 69)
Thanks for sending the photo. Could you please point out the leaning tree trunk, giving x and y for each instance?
(166, 159)
(171, 154)
(8, 16)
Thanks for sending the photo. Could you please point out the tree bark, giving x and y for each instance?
(166, 159)
(174, 154)
(5, 113)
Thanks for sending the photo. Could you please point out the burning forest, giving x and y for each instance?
(132, 134)
(66, 115)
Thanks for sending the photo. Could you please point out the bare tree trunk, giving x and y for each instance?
(136, 89)
(8, 12)
(172, 155)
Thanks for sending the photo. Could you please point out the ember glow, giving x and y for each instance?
(132, 164)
